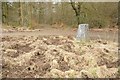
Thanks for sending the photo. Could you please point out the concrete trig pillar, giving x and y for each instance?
(82, 33)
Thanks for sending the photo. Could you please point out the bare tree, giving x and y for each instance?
(21, 13)
(77, 8)
(4, 12)
(32, 14)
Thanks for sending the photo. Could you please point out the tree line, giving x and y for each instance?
(32, 14)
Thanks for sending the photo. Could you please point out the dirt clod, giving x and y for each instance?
(58, 57)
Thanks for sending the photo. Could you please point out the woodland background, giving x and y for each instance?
(32, 14)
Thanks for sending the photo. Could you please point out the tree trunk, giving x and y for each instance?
(77, 10)
(78, 19)
(4, 12)
(20, 14)
(30, 20)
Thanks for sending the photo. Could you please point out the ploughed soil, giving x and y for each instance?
(57, 56)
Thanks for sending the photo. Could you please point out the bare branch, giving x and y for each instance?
(79, 7)
(74, 8)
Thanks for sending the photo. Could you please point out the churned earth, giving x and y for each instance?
(58, 57)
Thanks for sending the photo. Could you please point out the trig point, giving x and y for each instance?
(82, 32)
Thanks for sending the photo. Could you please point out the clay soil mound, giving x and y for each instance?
(58, 57)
